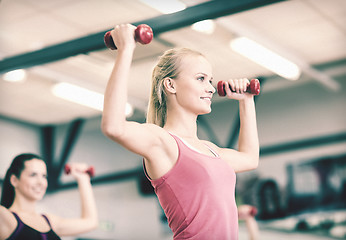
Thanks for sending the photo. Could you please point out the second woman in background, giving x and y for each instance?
(24, 185)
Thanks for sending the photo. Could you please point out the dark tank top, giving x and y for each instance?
(25, 232)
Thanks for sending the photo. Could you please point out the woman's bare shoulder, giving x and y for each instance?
(8, 223)
(163, 155)
(5, 214)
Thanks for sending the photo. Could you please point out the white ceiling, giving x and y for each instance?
(310, 32)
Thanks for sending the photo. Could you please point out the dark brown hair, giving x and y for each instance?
(16, 168)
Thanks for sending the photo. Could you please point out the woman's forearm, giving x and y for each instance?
(248, 135)
(115, 98)
(252, 227)
(88, 203)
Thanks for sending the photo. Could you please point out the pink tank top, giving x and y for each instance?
(197, 196)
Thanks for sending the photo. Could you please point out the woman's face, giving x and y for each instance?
(194, 89)
(32, 183)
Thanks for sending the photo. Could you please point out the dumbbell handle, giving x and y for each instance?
(90, 170)
(143, 35)
(254, 87)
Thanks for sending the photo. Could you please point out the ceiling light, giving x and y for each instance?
(166, 7)
(83, 96)
(205, 26)
(128, 110)
(79, 95)
(18, 75)
(265, 58)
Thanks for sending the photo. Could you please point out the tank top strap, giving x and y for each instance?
(45, 217)
(16, 216)
(145, 170)
(20, 226)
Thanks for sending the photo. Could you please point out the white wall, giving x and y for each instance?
(16, 137)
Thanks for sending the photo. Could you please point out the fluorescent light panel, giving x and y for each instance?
(205, 26)
(165, 7)
(18, 75)
(265, 58)
(83, 96)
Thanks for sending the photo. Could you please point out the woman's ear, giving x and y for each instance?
(169, 85)
(13, 180)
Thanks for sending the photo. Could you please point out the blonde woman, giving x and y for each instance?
(194, 179)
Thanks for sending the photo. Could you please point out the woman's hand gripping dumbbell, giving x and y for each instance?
(253, 88)
(90, 170)
(143, 35)
(246, 211)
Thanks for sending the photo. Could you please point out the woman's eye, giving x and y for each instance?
(201, 78)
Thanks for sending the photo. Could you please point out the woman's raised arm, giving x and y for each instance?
(138, 138)
(88, 220)
(247, 156)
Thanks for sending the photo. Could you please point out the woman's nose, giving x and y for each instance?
(211, 89)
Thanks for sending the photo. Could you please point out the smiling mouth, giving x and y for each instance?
(206, 98)
(38, 190)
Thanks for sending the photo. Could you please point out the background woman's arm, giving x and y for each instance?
(88, 220)
(8, 223)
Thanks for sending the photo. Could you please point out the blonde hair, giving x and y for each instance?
(167, 66)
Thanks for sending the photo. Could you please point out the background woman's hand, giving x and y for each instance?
(79, 170)
(246, 211)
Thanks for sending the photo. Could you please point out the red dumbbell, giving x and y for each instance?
(253, 89)
(90, 170)
(143, 35)
(246, 211)
(253, 211)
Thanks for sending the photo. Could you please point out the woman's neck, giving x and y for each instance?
(23, 205)
(182, 124)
